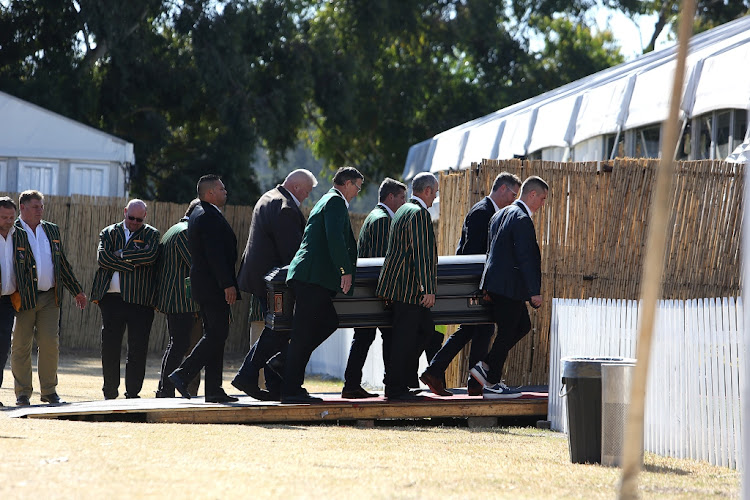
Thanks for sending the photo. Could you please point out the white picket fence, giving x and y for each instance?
(696, 373)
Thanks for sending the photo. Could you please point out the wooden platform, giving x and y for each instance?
(248, 410)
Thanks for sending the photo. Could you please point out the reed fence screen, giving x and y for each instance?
(592, 230)
(696, 373)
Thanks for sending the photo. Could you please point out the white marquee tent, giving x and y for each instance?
(616, 112)
(43, 150)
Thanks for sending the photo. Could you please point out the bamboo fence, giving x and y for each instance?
(81, 218)
(591, 233)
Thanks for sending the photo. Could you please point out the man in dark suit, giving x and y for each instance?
(473, 241)
(373, 242)
(124, 288)
(408, 279)
(172, 299)
(213, 284)
(323, 266)
(512, 276)
(275, 236)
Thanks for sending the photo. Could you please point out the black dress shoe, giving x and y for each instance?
(179, 383)
(300, 398)
(253, 390)
(221, 397)
(23, 401)
(407, 396)
(435, 384)
(52, 399)
(276, 365)
(473, 387)
(128, 396)
(358, 393)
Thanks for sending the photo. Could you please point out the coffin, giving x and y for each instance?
(458, 298)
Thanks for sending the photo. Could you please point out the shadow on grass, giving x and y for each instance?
(660, 469)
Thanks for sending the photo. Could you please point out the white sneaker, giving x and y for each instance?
(479, 372)
(500, 391)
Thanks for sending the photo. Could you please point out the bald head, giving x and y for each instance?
(300, 183)
(135, 214)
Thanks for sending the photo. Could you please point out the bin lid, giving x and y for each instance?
(590, 367)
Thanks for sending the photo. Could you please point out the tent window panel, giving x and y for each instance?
(619, 151)
(740, 128)
(683, 149)
(647, 142)
(723, 133)
(89, 179)
(705, 128)
(38, 175)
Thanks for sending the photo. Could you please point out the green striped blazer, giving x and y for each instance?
(173, 266)
(373, 237)
(410, 267)
(136, 267)
(25, 263)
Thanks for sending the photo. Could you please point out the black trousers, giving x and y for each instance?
(363, 339)
(209, 351)
(267, 346)
(478, 335)
(181, 328)
(314, 321)
(412, 329)
(513, 323)
(117, 315)
(7, 314)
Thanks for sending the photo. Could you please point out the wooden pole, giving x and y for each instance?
(653, 267)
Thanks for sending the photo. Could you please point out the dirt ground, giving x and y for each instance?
(69, 459)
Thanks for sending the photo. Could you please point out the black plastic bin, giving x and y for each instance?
(582, 386)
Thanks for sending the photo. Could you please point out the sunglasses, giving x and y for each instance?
(137, 219)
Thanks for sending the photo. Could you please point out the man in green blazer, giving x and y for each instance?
(40, 268)
(323, 266)
(408, 279)
(373, 242)
(124, 287)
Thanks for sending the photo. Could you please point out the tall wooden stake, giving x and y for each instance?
(653, 267)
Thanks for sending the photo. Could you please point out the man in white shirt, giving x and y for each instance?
(7, 278)
(40, 268)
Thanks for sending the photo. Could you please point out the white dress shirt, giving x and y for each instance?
(40, 247)
(420, 201)
(7, 276)
(390, 212)
(114, 285)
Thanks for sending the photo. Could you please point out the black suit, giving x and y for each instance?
(473, 241)
(213, 248)
(275, 235)
(512, 275)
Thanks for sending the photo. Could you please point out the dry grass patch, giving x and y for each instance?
(68, 459)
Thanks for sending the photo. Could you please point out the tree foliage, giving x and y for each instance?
(201, 85)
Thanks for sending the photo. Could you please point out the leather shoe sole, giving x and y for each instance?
(253, 391)
(221, 398)
(179, 384)
(23, 401)
(407, 396)
(435, 384)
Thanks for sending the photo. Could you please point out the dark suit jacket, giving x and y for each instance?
(513, 268)
(476, 226)
(410, 266)
(275, 235)
(328, 250)
(213, 248)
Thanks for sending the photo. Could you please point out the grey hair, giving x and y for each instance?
(422, 181)
(300, 174)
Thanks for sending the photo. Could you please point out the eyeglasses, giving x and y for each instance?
(137, 219)
(359, 187)
(515, 193)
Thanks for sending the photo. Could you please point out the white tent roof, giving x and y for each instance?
(630, 95)
(29, 131)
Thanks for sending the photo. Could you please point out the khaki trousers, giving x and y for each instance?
(41, 323)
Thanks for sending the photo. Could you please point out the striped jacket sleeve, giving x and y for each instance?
(425, 251)
(67, 277)
(373, 237)
(105, 254)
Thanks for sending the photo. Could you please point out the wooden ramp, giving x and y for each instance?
(251, 411)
